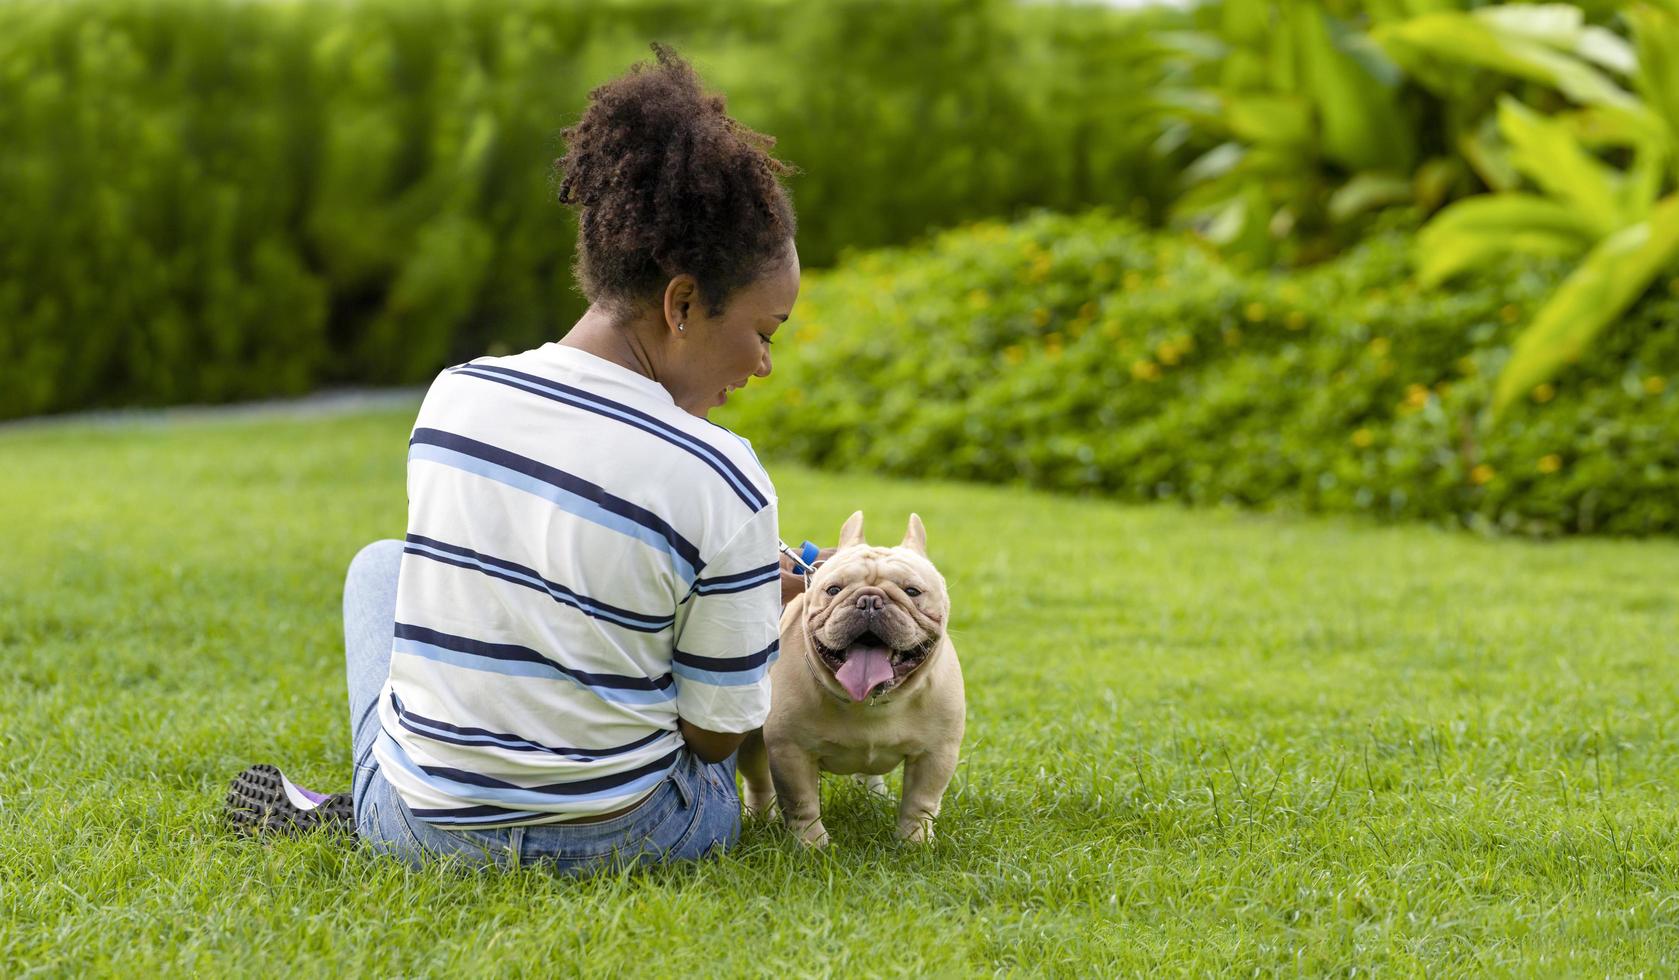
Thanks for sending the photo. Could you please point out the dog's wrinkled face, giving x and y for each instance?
(876, 614)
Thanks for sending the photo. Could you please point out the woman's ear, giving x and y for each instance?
(681, 296)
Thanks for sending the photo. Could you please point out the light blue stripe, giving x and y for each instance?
(718, 462)
(524, 668)
(725, 678)
(511, 797)
(537, 583)
(567, 501)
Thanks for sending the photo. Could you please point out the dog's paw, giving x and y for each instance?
(812, 835)
(758, 807)
(918, 832)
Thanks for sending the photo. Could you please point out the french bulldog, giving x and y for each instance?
(867, 679)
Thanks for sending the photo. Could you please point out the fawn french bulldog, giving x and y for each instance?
(867, 680)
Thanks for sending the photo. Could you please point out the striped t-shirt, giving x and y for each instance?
(585, 563)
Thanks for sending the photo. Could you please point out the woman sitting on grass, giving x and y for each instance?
(558, 662)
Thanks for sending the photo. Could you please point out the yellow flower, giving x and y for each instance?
(979, 299)
(1087, 311)
(1166, 352)
(1544, 393)
(1362, 438)
(1466, 366)
(1482, 475)
(1416, 396)
(1232, 337)
(1295, 320)
(1379, 346)
(1510, 313)
(1255, 312)
(1550, 463)
(1132, 279)
(1655, 385)
(1040, 316)
(1013, 353)
(1145, 370)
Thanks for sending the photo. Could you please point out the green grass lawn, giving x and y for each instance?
(1198, 742)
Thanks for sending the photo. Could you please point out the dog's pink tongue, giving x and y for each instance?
(863, 669)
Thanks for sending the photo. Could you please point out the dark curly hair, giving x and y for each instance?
(666, 183)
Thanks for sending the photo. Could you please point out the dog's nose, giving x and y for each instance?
(871, 600)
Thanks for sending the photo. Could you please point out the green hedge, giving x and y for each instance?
(1088, 355)
(211, 200)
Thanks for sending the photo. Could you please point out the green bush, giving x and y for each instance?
(1088, 355)
(212, 199)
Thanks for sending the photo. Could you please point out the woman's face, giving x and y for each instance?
(713, 356)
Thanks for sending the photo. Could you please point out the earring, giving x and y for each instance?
(680, 328)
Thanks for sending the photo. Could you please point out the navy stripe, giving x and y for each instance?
(605, 407)
(748, 587)
(507, 571)
(738, 582)
(519, 654)
(565, 481)
(573, 788)
(770, 569)
(465, 735)
(750, 662)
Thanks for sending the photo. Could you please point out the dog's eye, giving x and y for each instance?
(912, 591)
(833, 590)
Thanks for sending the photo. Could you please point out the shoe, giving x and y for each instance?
(263, 801)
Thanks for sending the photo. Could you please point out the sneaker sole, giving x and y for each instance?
(257, 803)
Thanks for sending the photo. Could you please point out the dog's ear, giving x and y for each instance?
(852, 532)
(915, 539)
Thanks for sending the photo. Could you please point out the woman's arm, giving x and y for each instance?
(714, 747)
(711, 747)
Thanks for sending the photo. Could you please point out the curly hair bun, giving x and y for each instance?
(666, 183)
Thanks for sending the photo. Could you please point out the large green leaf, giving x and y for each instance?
(1478, 228)
(1362, 127)
(1463, 252)
(1614, 274)
(1266, 118)
(1478, 41)
(1369, 191)
(1655, 33)
(1549, 154)
(1489, 155)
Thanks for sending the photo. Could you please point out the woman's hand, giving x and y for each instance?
(793, 581)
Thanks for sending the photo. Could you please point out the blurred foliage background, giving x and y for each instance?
(208, 199)
(1414, 258)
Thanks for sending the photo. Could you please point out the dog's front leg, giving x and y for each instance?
(925, 778)
(798, 791)
(753, 762)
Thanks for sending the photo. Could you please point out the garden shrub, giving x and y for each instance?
(1089, 355)
(211, 199)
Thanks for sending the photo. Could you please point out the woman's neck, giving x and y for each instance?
(622, 343)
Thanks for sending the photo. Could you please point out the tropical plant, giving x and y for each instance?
(1599, 169)
(1310, 124)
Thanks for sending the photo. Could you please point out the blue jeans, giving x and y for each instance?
(694, 812)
